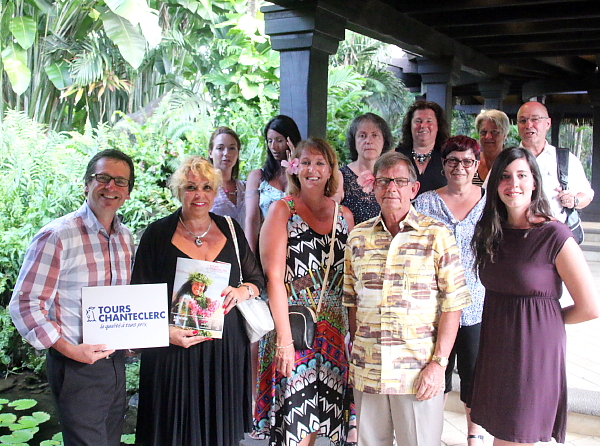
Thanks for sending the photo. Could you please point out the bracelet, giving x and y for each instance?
(285, 346)
(251, 294)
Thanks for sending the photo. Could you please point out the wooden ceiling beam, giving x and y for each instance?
(543, 50)
(412, 7)
(529, 13)
(382, 21)
(523, 27)
(554, 37)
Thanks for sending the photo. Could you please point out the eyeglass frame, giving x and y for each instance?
(494, 133)
(534, 120)
(458, 161)
(111, 178)
(389, 181)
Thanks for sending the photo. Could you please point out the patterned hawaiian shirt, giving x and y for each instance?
(399, 286)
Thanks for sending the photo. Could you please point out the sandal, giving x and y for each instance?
(351, 429)
(257, 435)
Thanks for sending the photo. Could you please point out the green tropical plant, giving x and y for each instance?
(360, 82)
(69, 62)
(15, 353)
(87, 47)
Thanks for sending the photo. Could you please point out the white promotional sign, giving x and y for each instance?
(126, 316)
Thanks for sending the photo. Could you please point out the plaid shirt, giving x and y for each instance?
(399, 285)
(67, 254)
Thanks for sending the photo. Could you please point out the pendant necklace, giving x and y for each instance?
(421, 157)
(198, 237)
(231, 192)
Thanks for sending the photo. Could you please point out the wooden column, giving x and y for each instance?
(592, 212)
(493, 93)
(556, 118)
(438, 76)
(305, 36)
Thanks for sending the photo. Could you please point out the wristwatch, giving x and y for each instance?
(575, 202)
(440, 360)
(250, 291)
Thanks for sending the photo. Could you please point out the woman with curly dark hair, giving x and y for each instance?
(424, 131)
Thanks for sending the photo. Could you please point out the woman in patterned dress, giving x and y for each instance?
(301, 392)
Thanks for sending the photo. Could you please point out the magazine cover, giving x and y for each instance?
(197, 303)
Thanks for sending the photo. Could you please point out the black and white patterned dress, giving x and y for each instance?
(288, 409)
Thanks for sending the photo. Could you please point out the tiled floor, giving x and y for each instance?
(583, 355)
(583, 372)
(455, 434)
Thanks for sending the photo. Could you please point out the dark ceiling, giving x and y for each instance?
(538, 47)
(545, 42)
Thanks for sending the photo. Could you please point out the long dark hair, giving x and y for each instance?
(443, 127)
(488, 230)
(384, 128)
(287, 127)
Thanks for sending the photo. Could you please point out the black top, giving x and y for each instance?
(200, 395)
(362, 205)
(433, 177)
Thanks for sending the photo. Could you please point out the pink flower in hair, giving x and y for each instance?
(366, 180)
(292, 167)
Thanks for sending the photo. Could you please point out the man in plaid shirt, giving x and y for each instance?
(88, 247)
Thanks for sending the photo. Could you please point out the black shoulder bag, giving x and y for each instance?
(573, 221)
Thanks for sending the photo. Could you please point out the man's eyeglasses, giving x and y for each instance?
(383, 182)
(105, 179)
(453, 162)
(534, 119)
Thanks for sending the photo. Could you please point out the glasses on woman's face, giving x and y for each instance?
(493, 133)
(453, 162)
(383, 182)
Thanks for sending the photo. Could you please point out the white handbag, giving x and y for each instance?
(257, 316)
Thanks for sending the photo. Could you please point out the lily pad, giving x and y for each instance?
(128, 438)
(55, 441)
(41, 417)
(6, 419)
(22, 436)
(22, 404)
(24, 423)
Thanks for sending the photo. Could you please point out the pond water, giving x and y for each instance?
(27, 385)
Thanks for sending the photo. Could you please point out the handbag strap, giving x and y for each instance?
(330, 258)
(235, 243)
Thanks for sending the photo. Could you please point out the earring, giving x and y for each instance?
(443, 173)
